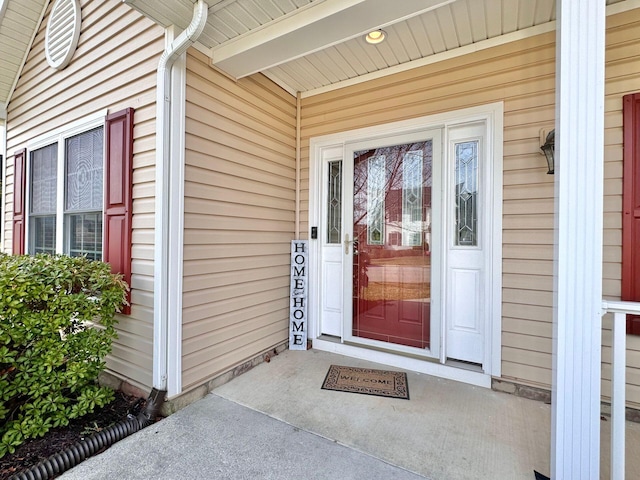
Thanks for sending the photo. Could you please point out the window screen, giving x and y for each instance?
(43, 199)
(83, 193)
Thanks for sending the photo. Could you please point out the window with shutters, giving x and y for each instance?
(73, 191)
(66, 195)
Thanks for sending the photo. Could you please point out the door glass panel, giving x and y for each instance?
(466, 177)
(391, 228)
(334, 203)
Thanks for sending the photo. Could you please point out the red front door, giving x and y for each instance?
(392, 233)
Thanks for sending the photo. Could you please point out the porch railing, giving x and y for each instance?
(618, 381)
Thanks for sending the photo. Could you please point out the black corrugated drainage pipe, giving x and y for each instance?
(72, 456)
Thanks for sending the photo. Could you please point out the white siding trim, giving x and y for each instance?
(453, 117)
(176, 226)
(577, 321)
(3, 177)
(298, 160)
(495, 142)
(73, 128)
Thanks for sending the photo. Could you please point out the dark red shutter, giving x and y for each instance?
(631, 207)
(19, 187)
(118, 193)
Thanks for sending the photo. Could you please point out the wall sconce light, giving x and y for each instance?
(375, 37)
(549, 150)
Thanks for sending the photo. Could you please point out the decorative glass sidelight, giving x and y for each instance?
(412, 199)
(466, 193)
(376, 176)
(334, 203)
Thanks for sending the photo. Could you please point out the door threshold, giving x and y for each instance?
(425, 366)
(454, 362)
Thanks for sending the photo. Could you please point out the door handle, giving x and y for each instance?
(347, 242)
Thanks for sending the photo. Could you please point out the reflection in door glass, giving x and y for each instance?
(375, 200)
(412, 199)
(392, 261)
(334, 203)
(466, 178)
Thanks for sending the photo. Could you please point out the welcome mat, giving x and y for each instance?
(384, 383)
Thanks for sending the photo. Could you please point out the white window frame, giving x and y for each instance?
(59, 135)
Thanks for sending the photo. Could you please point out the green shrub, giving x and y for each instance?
(57, 317)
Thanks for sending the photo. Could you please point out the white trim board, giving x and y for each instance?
(3, 181)
(176, 227)
(68, 130)
(492, 114)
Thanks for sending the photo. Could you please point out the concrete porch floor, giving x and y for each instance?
(447, 430)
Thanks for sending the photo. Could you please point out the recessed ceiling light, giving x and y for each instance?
(377, 36)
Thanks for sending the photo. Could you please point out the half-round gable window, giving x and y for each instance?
(63, 31)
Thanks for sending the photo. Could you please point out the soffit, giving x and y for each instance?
(19, 20)
(310, 46)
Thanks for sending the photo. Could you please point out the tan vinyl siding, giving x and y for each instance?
(239, 219)
(522, 74)
(114, 67)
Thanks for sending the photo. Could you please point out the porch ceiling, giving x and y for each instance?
(310, 46)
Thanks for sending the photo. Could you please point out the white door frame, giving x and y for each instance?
(492, 115)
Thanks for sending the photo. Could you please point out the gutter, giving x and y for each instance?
(163, 247)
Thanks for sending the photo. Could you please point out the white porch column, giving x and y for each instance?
(575, 429)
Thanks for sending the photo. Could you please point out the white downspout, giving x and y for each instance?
(161, 319)
(298, 160)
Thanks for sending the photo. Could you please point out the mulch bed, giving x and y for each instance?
(34, 451)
